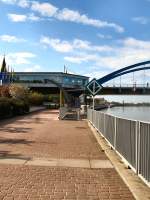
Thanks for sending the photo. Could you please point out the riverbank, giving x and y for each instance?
(117, 104)
(129, 104)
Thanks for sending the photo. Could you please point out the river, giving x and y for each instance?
(126, 98)
(141, 113)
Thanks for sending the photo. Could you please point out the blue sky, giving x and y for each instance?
(90, 37)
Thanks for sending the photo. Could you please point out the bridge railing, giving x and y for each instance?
(129, 138)
(129, 85)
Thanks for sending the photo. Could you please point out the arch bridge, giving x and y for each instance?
(127, 89)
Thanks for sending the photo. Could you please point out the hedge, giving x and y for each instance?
(5, 107)
(36, 99)
(19, 107)
(12, 107)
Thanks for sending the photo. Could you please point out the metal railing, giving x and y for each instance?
(129, 138)
(126, 85)
(67, 112)
(62, 112)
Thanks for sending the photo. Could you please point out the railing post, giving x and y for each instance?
(104, 125)
(98, 120)
(115, 139)
(137, 146)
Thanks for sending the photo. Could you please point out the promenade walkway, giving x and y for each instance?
(43, 158)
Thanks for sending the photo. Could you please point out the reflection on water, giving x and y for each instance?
(141, 113)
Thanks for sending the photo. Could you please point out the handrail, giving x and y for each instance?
(128, 137)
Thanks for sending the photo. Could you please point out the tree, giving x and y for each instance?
(3, 68)
(4, 91)
(18, 92)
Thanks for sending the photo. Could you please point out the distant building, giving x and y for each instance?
(49, 81)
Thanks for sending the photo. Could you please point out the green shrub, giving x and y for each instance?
(36, 98)
(10, 107)
(19, 107)
(53, 98)
(5, 107)
(46, 97)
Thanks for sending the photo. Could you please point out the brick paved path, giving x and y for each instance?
(42, 136)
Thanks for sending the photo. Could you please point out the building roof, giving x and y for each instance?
(44, 73)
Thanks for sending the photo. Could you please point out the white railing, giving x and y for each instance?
(62, 112)
(126, 85)
(65, 111)
(129, 138)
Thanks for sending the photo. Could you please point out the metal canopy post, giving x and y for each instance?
(93, 95)
(93, 102)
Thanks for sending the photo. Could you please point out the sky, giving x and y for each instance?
(89, 37)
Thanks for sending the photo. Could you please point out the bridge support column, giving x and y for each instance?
(61, 98)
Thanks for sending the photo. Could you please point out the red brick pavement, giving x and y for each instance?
(42, 135)
(20, 182)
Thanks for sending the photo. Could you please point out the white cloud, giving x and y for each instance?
(19, 58)
(22, 18)
(45, 9)
(81, 44)
(78, 59)
(33, 17)
(17, 18)
(69, 46)
(48, 10)
(134, 43)
(102, 36)
(63, 46)
(11, 38)
(74, 59)
(34, 68)
(9, 1)
(129, 51)
(125, 52)
(74, 16)
(96, 73)
(21, 3)
(24, 3)
(141, 20)
(60, 46)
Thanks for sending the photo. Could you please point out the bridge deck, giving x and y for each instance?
(125, 90)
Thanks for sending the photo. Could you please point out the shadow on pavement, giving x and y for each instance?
(15, 141)
(15, 129)
(8, 155)
(25, 118)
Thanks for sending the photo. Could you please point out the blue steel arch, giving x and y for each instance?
(123, 71)
(130, 71)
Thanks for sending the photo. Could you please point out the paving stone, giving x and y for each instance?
(12, 161)
(100, 164)
(74, 163)
(53, 150)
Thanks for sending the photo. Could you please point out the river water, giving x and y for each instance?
(126, 98)
(141, 113)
